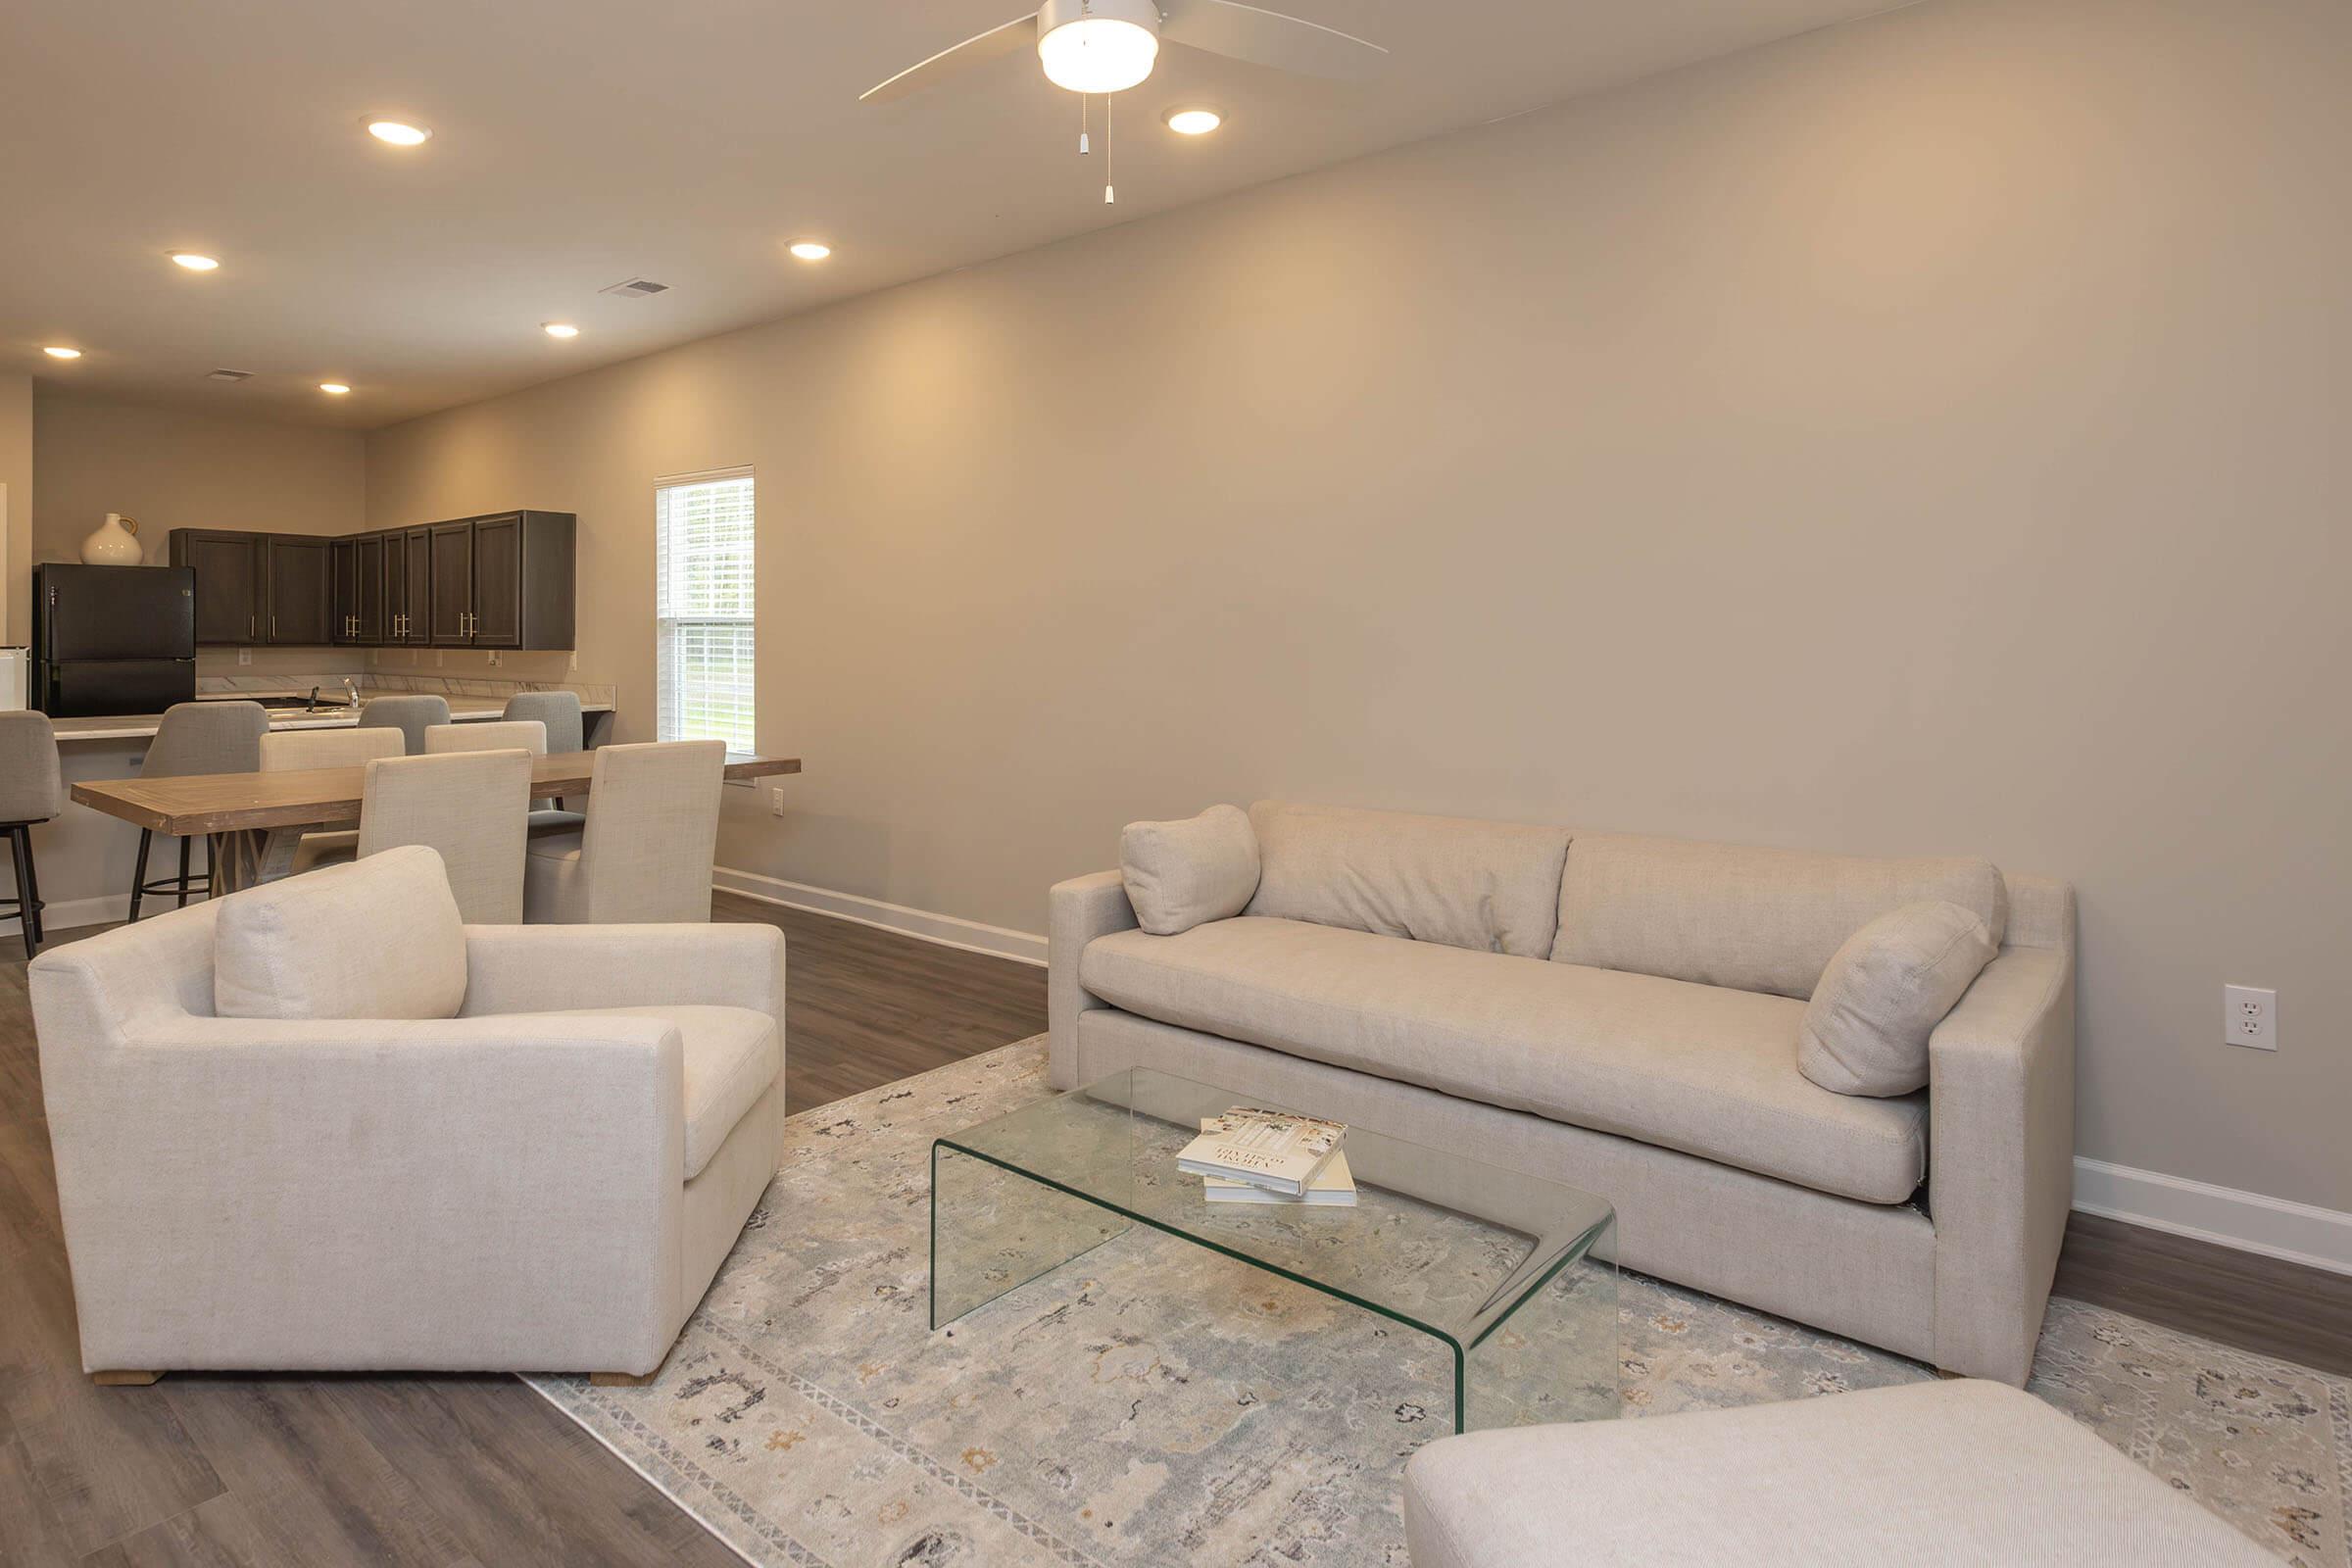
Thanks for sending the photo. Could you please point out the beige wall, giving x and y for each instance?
(172, 469)
(15, 472)
(1922, 435)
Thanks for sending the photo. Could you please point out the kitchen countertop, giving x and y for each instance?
(142, 726)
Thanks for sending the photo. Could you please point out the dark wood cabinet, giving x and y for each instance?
(232, 585)
(450, 581)
(416, 609)
(301, 598)
(502, 580)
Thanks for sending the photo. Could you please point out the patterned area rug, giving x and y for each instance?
(1153, 1402)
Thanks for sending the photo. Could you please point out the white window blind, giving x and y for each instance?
(703, 599)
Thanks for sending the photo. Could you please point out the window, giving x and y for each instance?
(703, 605)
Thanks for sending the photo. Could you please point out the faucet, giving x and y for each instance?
(351, 691)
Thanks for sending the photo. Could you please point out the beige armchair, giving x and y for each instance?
(547, 1180)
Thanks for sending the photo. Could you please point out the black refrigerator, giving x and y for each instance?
(113, 639)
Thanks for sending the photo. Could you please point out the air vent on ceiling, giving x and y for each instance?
(230, 376)
(636, 288)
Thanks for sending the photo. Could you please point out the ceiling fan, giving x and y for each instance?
(1107, 46)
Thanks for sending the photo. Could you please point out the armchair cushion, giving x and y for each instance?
(379, 938)
(733, 1056)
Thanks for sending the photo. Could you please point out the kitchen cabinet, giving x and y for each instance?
(408, 587)
(359, 589)
(501, 580)
(232, 585)
(297, 569)
(504, 580)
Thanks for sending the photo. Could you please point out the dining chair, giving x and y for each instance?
(646, 852)
(495, 734)
(410, 713)
(297, 749)
(196, 738)
(471, 806)
(567, 732)
(31, 790)
(487, 735)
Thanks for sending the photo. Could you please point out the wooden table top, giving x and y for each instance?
(227, 802)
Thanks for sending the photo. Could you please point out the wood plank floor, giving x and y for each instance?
(455, 1472)
(466, 1471)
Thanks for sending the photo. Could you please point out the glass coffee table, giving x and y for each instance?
(1514, 1274)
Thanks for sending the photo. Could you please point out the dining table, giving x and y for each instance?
(254, 821)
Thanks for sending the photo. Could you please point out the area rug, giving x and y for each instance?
(1153, 1403)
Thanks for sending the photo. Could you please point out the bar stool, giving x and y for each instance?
(31, 790)
(567, 732)
(196, 738)
(409, 714)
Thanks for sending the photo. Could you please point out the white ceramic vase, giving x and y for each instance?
(114, 543)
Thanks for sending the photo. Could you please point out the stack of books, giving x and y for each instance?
(1249, 1155)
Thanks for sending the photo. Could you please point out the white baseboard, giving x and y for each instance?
(67, 913)
(2298, 1233)
(948, 930)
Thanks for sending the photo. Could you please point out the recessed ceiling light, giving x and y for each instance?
(399, 132)
(1194, 121)
(334, 388)
(195, 260)
(58, 351)
(559, 330)
(809, 250)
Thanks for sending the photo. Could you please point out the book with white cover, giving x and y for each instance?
(1334, 1187)
(1271, 1148)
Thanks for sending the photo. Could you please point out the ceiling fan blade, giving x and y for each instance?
(1270, 38)
(993, 44)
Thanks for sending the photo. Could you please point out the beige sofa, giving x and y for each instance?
(1620, 1013)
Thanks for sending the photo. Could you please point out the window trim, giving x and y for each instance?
(673, 481)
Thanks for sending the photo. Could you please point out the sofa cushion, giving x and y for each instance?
(1932, 1475)
(1756, 920)
(1708, 1071)
(732, 1055)
(1179, 874)
(378, 938)
(1865, 1032)
(1492, 887)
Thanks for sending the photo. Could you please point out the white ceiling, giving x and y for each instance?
(580, 142)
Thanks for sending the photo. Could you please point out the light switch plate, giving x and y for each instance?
(2250, 1017)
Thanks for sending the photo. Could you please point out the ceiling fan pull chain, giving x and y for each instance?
(1107, 197)
(1082, 147)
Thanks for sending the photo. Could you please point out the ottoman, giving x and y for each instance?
(1937, 1473)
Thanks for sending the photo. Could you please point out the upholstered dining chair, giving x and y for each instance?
(31, 790)
(471, 806)
(567, 733)
(646, 853)
(196, 738)
(487, 735)
(297, 749)
(411, 714)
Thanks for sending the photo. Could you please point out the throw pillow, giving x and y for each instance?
(1180, 874)
(1865, 1032)
(378, 938)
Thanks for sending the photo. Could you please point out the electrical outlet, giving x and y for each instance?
(2250, 1017)
(775, 800)
(244, 655)
(494, 660)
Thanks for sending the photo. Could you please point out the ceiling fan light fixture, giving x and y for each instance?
(1098, 46)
